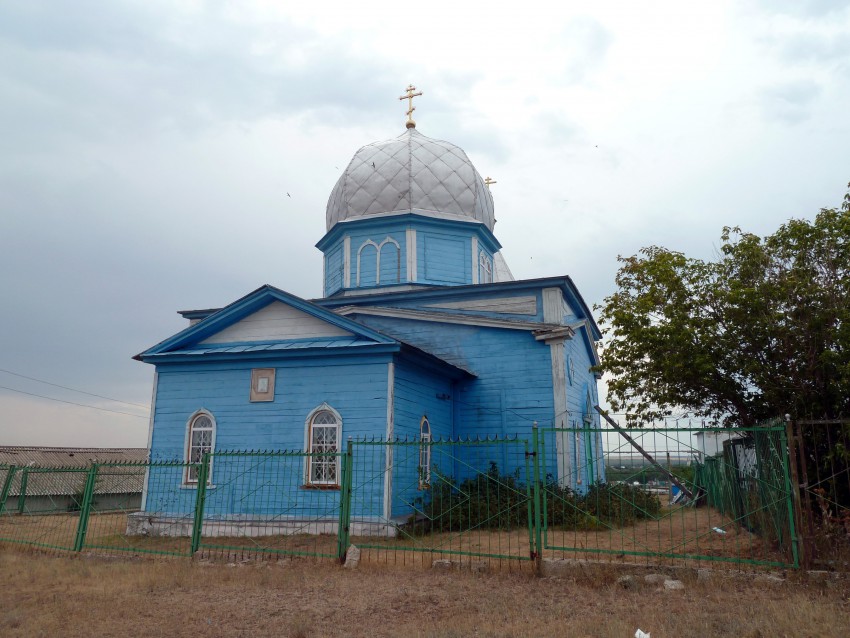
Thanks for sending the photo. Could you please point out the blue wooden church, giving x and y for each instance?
(422, 332)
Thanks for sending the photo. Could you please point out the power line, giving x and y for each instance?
(64, 387)
(82, 405)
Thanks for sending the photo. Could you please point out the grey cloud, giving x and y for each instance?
(790, 102)
(803, 8)
(588, 43)
(806, 49)
(101, 71)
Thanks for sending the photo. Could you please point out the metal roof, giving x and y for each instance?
(411, 173)
(303, 344)
(58, 471)
(37, 456)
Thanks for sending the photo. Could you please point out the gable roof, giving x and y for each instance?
(220, 320)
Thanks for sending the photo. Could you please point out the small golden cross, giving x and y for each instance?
(410, 108)
(489, 181)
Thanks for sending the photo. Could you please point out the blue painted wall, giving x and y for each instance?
(334, 269)
(443, 251)
(444, 257)
(514, 384)
(354, 386)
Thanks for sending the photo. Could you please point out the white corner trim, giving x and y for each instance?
(553, 305)
(411, 255)
(474, 259)
(150, 439)
(559, 396)
(388, 470)
(346, 260)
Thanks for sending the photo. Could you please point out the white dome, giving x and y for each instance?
(411, 174)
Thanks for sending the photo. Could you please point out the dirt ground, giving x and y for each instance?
(678, 532)
(65, 595)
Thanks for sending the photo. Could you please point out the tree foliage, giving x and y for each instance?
(760, 331)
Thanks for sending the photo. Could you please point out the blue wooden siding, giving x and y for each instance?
(444, 258)
(356, 388)
(418, 393)
(334, 269)
(514, 384)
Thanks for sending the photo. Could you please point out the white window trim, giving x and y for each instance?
(485, 263)
(388, 240)
(425, 439)
(368, 242)
(308, 446)
(378, 247)
(188, 441)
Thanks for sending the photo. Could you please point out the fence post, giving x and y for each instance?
(788, 502)
(200, 500)
(344, 526)
(22, 497)
(537, 550)
(7, 486)
(791, 442)
(85, 508)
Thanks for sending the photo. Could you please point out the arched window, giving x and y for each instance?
(389, 262)
(367, 264)
(485, 264)
(200, 439)
(324, 432)
(424, 454)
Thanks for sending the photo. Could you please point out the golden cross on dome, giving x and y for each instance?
(489, 181)
(410, 108)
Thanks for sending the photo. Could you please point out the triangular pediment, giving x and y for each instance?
(271, 316)
(277, 321)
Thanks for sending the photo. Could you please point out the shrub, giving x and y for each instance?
(496, 501)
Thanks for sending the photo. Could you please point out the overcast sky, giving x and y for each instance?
(147, 149)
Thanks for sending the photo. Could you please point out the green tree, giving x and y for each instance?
(761, 331)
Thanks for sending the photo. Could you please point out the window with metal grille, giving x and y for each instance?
(323, 446)
(199, 442)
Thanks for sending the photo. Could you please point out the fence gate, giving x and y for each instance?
(660, 495)
(460, 500)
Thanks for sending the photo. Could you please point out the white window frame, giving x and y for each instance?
(310, 461)
(485, 264)
(369, 242)
(424, 468)
(378, 247)
(191, 428)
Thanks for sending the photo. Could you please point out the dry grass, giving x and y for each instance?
(79, 596)
(678, 531)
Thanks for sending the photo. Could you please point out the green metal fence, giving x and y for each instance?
(666, 495)
(660, 495)
(43, 507)
(262, 503)
(460, 500)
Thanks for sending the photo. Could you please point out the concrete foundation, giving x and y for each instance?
(144, 524)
